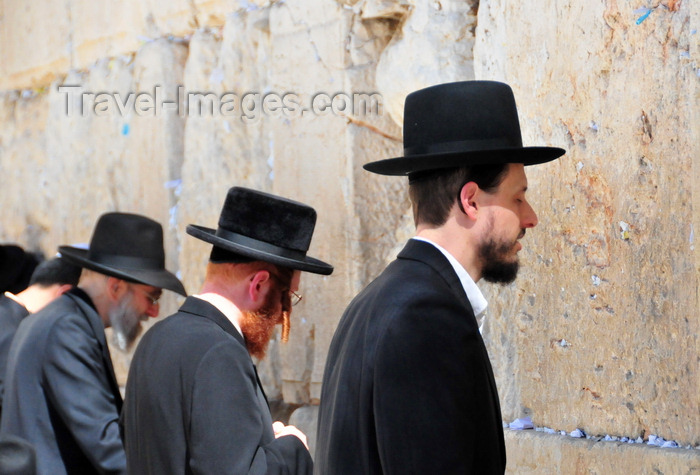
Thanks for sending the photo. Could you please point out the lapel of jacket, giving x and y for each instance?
(206, 310)
(427, 253)
(98, 330)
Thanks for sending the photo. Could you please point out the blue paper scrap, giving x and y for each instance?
(643, 17)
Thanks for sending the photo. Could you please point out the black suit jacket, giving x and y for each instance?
(408, 387)
(11, 314)
(60, 391)
(194, 403)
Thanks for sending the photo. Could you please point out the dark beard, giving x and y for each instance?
(497, 268)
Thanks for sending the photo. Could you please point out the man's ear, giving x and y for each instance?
(258, 285)
(62, 289)
(468, 199)
(116, 288)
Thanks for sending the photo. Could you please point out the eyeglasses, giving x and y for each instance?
(294, 297)
(150, 297)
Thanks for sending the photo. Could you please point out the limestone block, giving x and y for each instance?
(185, 17)
(694, 137)
(434, 46)
(202, 50)
(23, 159)
(205, 174)
(152, 164)
(151, 134)
(103, 154)
(103, 29)
(306, 420)
(78, 33)
(312, 166)
(379, 201)
(78, 160)
(221, 151)
(29, 64)
(600, 330)
(531, 452)
(304, 155)
(213, 13)
(368, 38)
(169, 18)
(388, 9)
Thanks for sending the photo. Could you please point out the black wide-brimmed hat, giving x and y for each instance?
(265, 227)
(461, 124)
(129, 247)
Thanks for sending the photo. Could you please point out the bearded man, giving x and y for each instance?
(408, 387)
(194, 403)
(61, 394)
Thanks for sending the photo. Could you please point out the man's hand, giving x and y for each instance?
(281, 429)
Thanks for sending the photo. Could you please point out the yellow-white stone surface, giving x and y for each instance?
(601, 329)
(599, 332)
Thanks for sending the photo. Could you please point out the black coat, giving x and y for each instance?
(194, 403)
(11, 314)
(60, 391)
(408, 387)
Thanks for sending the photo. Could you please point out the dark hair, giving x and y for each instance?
(55, 271)
(220, 255)
(434, 193)
(16, 267)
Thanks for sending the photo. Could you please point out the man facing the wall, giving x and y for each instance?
(61, 394)
(194, 403)
(408, 387)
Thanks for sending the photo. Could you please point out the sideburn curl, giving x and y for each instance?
(257, 326)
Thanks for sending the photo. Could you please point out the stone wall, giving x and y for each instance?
(600, 330)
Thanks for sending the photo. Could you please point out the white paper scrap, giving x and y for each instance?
(522, 424)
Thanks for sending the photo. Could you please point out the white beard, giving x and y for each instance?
(126, 323)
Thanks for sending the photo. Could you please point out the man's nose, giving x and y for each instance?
(529, 217)
(153, 309)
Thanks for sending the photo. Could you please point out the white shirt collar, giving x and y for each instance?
(476, 298)
(224, 306)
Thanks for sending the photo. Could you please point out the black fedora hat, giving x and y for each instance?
(461, 124)
(265, 227)
(129, 247)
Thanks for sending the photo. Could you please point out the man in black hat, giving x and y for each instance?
(50, 280)
(61, 394)
(408, 387)
(194, 403)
